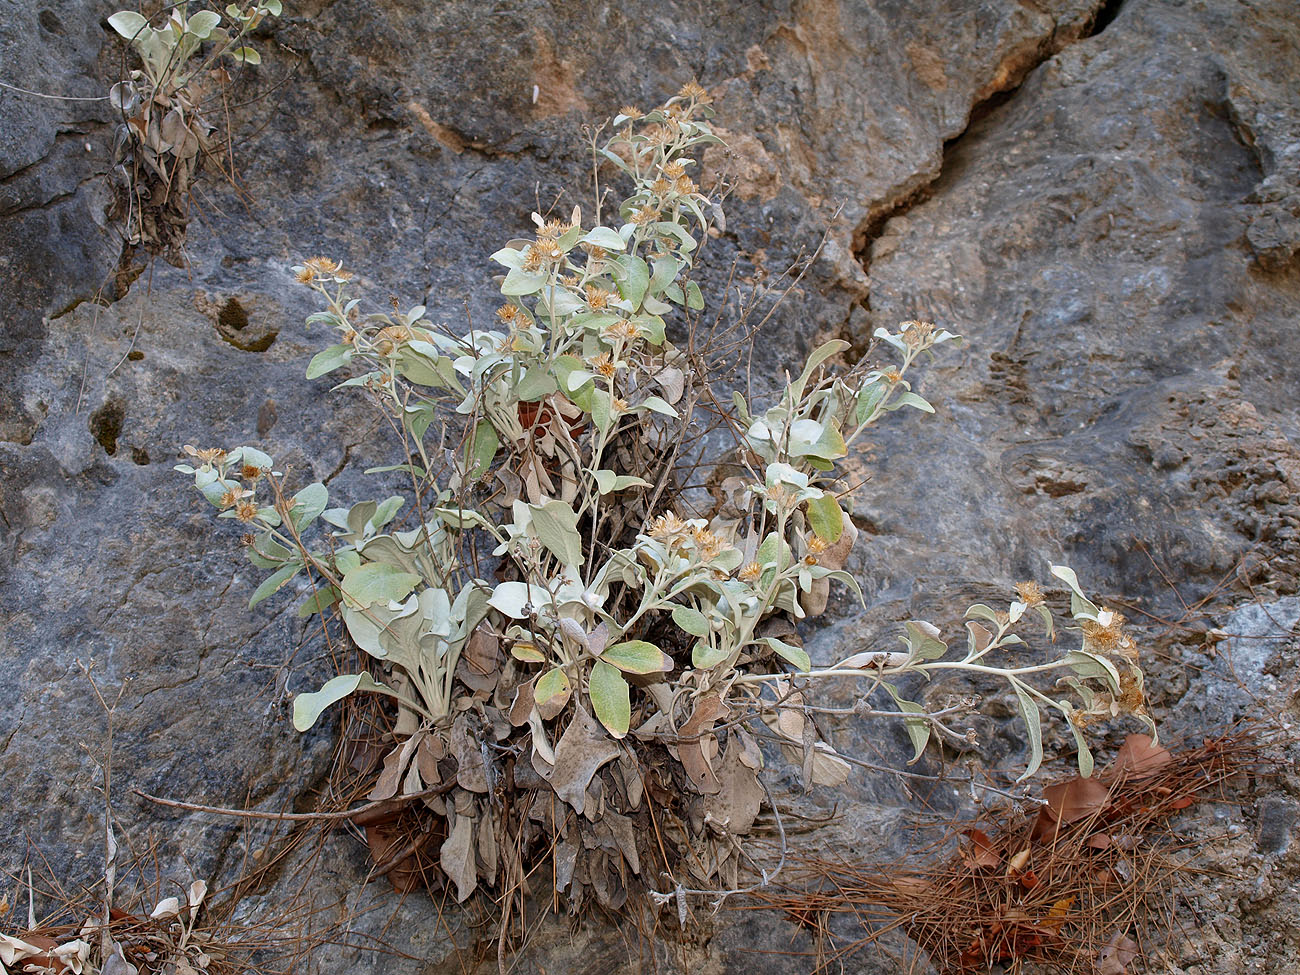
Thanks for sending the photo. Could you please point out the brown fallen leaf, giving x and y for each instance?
(582, 750)
(737, 802)
(1140, 757)
(1068, 802)
(982, 852)
(708, 711)
(1117, 955)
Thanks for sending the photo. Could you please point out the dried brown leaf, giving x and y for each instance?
(582, 750)
(708, 711)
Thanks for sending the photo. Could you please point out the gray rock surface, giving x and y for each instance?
(1115, 234)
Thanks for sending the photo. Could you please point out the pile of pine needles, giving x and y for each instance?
(1081, 882)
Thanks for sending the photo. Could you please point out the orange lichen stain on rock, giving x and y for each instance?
(555, 90)
(743, 164)
(928, 66)
(449, 138)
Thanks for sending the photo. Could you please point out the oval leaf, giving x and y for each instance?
(610, 698)
(378, 582)
(638, 657)
(308, 707)
(551, 684)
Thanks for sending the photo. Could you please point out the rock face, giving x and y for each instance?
(1115, 234)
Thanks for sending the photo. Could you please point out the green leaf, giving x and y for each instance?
(922, 638)
(481, 448)
(535, 384)
(308, 707)
(377, 582)
(308, 504)
(638, 657)
(911, 399)
(267, 553)
(980, 611)
(793, 654)
(512, 598)
(610, 698)
(604, 237)
(556, 525)
(128, 23)
(527, 653)
(246, 55)
(274, 583)
(1087, 664)
(635, 279)
(519, 282)
(550, 685)
(824, 518)
(819, 355)
(705, 657)
(318, 602)
(1029, 711)
(1085, 753)
(658, 405)
(1081, 607)
(694, 299)
(386, 510)
(918, 729)
(869, 398)
(202, 23)
(691, 621)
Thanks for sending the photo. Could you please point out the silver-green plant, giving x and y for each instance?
(551, 440)
(166, 132)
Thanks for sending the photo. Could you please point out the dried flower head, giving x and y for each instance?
(207, 455)
(917, 334)
(604, 365)
(709, 545)
(816, 545)
(597, 298)
(1106, 633)
(245, 511)
(322, 265)
(750, 572)
(507, 313)
(1030, 594)
(661, 187)
(685, 185)
(631, 111)
(305, 275)
(622, 330)
(644, 215)
(675, 169)
(695, 91)
(669, 526)
(250, 472)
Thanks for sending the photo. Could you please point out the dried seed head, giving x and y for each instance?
(1030, 594)
(694, 90)
(916, 334)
